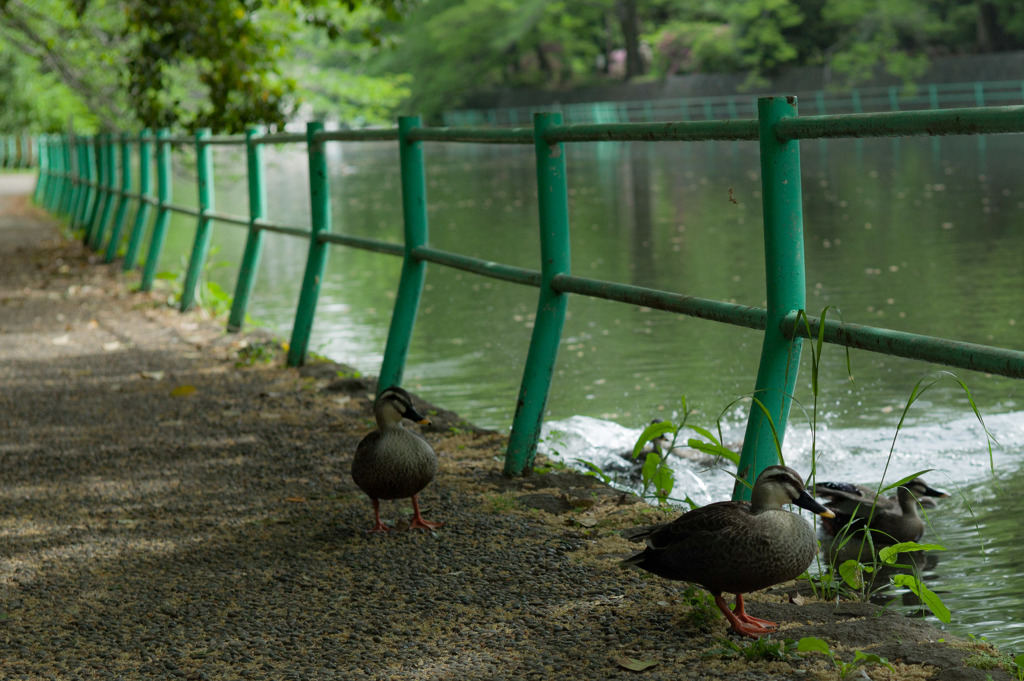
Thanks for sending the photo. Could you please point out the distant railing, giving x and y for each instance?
(821, 102)
(78, 178)
(17, 152)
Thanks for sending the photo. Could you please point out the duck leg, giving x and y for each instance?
(379, 526)
(418, 521)
(741, 622)
(741, 614)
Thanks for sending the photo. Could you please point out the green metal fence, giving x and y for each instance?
(77, 179)
(17, 152)
(706, 108)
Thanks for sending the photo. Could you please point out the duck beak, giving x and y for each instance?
(805, 500)
(416, 417)
(932, 492)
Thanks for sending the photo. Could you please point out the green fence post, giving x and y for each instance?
(49, 145)
(108, 171)
(410, 285)
(25, 151)
(784, 274)
(65, 161)
(122, 199)
(73, 178)
(254, 241)
(316, 261)
(131, 255)
(87, 197)
(553, 202)
(39, 196)
(163, 211)
(96, 151)
(894, 98)
(53, 146)
(81, 178)
(201, 245)
(96, 170)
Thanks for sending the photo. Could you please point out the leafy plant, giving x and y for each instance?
(764, 649)
(812, 644)
(655, 473)
(264, 352)
(988, 657)
(210, 296)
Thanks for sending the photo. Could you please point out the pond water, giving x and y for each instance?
(918, 235)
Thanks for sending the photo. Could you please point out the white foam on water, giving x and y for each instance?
(954, 452)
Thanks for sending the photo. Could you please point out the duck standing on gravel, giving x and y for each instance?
(392, 462)
(738, 546)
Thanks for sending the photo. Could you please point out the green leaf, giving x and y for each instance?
(714, 450)
(651, 432)
(664, 480)
(813, 644)
(650, 468)
(860, 657)
(595, 470)
(905, 480)
(706, 434)
(852, 573)
(927, 596)
(889, 553)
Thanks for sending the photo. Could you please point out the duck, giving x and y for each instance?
(888, 525)
(847, 496)
(392, 462)
(738, 546)
(891, 519)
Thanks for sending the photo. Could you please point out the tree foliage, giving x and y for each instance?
(225, 64)
(457, 47)
(222, 64)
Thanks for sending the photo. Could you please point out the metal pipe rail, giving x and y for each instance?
(77, 179)
(820, 102)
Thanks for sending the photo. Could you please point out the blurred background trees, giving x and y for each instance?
(229, 63)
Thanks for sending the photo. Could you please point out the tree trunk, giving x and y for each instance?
(991, 37)
(631, 34)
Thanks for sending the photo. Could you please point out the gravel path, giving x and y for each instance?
(168, 514)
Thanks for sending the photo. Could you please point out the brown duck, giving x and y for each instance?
(892, 519)
(738, 546)
(392, 462)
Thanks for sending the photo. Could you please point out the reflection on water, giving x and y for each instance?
(918, 235)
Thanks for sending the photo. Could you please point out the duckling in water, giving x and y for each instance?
(738, 546)
(392, 462)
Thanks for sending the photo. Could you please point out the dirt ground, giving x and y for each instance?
(175, 503)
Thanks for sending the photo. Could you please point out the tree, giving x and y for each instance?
(889, 34)
(331, 69)
(1000, 25)
(189, 63)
